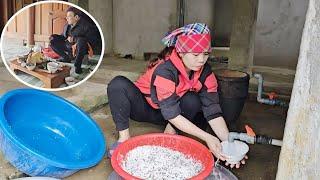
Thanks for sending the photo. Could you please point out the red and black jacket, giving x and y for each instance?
(165, 83)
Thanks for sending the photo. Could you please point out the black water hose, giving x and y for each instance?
(261, 139)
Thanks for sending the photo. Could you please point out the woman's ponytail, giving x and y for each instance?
(162, 55)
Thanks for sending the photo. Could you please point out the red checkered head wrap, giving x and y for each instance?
(192, 38)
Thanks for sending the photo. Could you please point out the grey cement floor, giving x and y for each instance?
(263, 159)
(264, 119)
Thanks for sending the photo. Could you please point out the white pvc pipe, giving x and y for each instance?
(276, 142)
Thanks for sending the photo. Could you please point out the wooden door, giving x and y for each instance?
(9, 7)
(50, 19)
(58, 17)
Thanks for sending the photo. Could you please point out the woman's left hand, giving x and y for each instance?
(243, 161)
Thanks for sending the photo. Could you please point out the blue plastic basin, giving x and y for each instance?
(42, 134)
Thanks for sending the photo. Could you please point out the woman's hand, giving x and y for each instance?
(215, 147)
(239, 163)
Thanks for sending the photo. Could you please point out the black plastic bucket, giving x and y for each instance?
(233, 92)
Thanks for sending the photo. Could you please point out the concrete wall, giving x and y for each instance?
(82, 3)
(201, 11)
(278, 32)
(299, 157)
(217, 14)
(140, 25)
(222, 22)
(103, 15)
(242, 39)
(101, 10)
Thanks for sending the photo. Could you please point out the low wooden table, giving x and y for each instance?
(50, 80)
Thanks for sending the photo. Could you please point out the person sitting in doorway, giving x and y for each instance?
(178, 90)
(80, 37)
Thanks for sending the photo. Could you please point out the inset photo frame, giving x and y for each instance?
(52, 45)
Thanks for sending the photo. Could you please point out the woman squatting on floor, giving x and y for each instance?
(178, 90)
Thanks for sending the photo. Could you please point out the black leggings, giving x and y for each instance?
(64, 49)
(126, 101)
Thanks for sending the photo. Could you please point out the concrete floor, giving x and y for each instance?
(264, 119)
(263, 159)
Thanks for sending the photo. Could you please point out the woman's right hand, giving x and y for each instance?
(215, 147)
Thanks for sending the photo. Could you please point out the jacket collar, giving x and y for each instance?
(178, 63)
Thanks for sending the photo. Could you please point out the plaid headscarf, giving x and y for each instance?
(193, 38)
